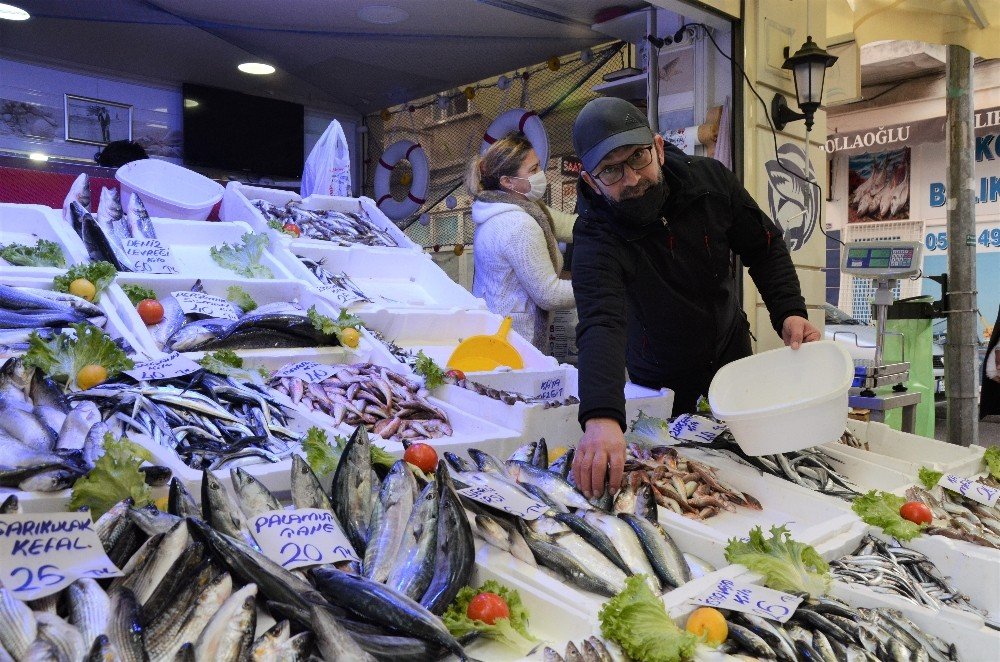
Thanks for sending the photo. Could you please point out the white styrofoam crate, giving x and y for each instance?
(54, 502)
(263, 292)
(389, 277)
(112, 300)
(190, 243)
(906, 453)
(26, 224)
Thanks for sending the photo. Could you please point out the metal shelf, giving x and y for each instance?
(630, 87)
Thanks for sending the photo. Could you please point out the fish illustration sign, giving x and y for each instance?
(794, 202)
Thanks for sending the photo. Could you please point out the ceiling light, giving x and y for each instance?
(191, 103)
(12, 13)
(256, 68)
(38, 156)
(382, 14)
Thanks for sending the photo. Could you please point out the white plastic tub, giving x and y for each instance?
(785, 400)
(169, 190)
(26, 224)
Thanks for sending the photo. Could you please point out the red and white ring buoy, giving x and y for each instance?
(408, 150)
(525, 121)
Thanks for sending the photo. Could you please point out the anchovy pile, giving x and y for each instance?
(341, 228)
(894, 569)
(45, 444)
(341, 280)
(960, 518)
(590, 649)
(211, 422)
(594, 546)
(828, 630)
(510, 397)
(26, 309)
(848, 439)
(104, 235)
(683, 485)
(385, 402)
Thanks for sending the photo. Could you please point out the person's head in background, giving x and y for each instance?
(119, 152)
(509, 165)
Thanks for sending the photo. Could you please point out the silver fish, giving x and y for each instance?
(229, 635)
(124, 627)
(389, 519)
(79, 192)
(251, 494)
(18, 627)
(626, 541)
(66, 638)
(77, 424)
(334, 642)
(661, 550)
(352, 489)
(555, 487)
(137, 219)
(307, 492)
(413, 568)
(89, 608)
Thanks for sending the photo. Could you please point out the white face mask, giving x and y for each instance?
(538, 183)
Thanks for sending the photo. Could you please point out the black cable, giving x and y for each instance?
(678, 36)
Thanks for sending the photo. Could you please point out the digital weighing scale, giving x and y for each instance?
(884, 262)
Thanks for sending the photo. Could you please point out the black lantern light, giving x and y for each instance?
(808, 65)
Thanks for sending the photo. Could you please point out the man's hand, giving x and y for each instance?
(796, 330)
(603, 444)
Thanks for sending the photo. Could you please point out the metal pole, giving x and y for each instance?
(960, 347)
(652, 75)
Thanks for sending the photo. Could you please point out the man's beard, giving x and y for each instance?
(641, 188)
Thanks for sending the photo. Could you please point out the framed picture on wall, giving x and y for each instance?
(96, 122)
(677, 71)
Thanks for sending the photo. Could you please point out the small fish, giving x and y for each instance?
(79, 193)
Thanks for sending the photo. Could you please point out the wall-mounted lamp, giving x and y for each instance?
(808, 66)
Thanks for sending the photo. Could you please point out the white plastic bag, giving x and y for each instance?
(328, 168)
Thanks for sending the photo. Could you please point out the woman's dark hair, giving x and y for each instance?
(119, 152)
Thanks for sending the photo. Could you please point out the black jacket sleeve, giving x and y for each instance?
(599, 287)
(758, 242)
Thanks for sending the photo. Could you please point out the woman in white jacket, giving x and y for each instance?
(516, 252)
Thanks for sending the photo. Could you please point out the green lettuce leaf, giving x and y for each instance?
(333, 327)
(241, 298)
(381, 457)
(929, 477)
(62, 357)
(321, 455)
(115, 476)
(786, 564)
(137, 293)
(244, 258)
(512, 632)
(225, 362)
(431, 372)
(882, 509)
(101, 274)
(638, 622)
(992, 459)
(43, 254)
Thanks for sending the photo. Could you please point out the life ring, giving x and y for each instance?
(397, 210)
(525, 121)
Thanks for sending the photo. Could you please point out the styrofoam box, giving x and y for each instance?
(236, 207)
(389, 277)
(810, 517)
(55, 502)
(906, 453)
(263, 292)
(111, 301)
(168, 190)
(26, 224)
(190, 244)
(973, 643)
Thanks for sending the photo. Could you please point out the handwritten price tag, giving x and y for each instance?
(688, 427)
(971, 489)
(172, 365)
(199, 303)
(502, 497)
(302, 537)
(149, 256)
(341, 295)
(41, 554)
(307, 371)
(750, 599)
(550, 389)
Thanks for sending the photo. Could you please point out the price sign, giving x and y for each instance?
(550, 389)
(750, 599)
(307, 371)
(342, 295)
(150, 256)
(199, 303)
(43, 553)
(302, 537)
(970, 489)
(502, 497)
(172, 365)
(688, 427)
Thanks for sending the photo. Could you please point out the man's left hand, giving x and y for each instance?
(796, 330)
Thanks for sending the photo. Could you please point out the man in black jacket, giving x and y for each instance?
(653, 278)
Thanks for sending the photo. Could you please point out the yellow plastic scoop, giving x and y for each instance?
(481, 353)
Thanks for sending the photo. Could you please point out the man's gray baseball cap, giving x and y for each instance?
(604, 125)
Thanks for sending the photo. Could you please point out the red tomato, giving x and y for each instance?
(151, 311)
(292, 229)
(487, 607)
(916, 512)
(457, 375)
(422, 456)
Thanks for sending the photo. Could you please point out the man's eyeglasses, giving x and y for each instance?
(638, 160)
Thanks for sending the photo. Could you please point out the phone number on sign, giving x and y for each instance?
(938, 241)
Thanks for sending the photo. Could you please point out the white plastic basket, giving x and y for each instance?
(169, 190)
(907, 453)
(26, 224)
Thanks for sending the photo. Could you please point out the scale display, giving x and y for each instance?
(889, 259)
